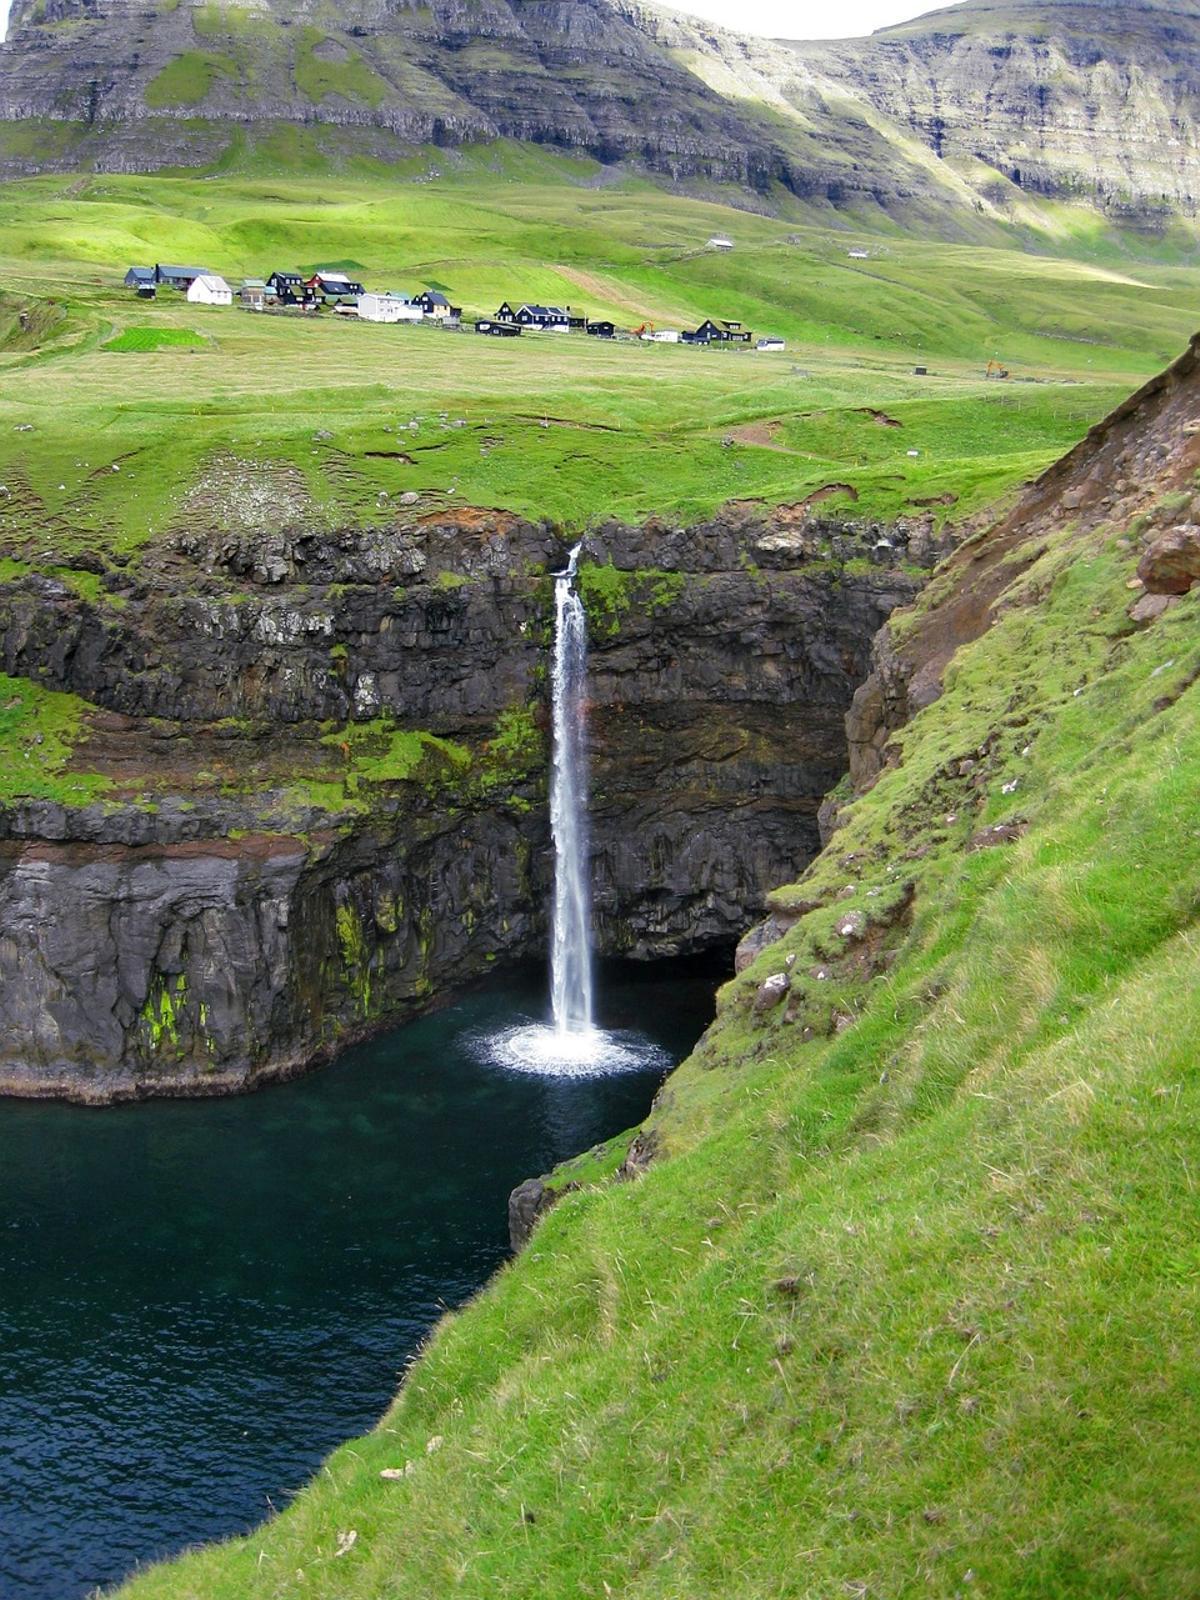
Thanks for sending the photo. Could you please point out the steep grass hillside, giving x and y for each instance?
(897, 1294)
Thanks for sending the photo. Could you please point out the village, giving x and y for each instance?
(335, 292)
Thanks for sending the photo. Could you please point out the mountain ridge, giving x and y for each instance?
(981, 112)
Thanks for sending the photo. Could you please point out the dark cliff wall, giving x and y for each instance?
(181, 937)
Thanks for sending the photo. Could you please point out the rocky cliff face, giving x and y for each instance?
(1084, 100)
(985, 104)
(574, 74)
(326, 759)
(963, 114)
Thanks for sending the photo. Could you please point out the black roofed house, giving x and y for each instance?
(710, 332)
(334, 286)
(290, 289)
(181, 278)
(434, 304)
(602, 330)
(498, 329)
(551, 319)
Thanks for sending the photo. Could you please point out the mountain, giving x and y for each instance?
(1094, 99)
(990, 104)
(573, 73)
(983, 110)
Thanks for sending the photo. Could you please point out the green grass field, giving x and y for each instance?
(566, 428)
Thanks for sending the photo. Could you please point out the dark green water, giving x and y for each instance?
(199, 1299)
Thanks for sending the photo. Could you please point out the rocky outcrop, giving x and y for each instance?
(230, 913)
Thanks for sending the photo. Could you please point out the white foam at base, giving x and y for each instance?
(590, 1053)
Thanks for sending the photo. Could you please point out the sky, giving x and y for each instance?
(803, 19)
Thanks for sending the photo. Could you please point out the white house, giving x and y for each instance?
(771, 343)
(388, 308)
(209, 290)
(859, 255)
(664, 336)
(719, 242)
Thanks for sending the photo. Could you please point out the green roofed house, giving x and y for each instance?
(254, 294)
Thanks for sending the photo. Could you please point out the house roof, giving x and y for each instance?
(181, 272)
(254, 283)
(434, 297)
(544, 311)
(288, 277)
(213, 282)
(142, 274)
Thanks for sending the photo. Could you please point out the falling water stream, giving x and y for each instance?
(570, 1044)
(571, 940)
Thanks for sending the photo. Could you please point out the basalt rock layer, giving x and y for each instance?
(326, 754)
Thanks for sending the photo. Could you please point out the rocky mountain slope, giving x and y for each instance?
(988, 104)
(893, 1288)
(979, 112)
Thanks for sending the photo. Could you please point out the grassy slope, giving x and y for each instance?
(906, 1303)
(632, 429)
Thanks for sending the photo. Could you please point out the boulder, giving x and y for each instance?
(526, 1204)
(772, 992)
(1171, 564)
(1149, 607)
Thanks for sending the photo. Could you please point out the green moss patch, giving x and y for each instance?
(188, 80)
(38, 732)
(324, 67)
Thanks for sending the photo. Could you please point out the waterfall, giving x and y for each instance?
(571, 1045)
(571, 948)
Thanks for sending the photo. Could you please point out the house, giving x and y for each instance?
(663, 336)
(140, 278)
(209, 290)
(290, 290)
(333, 286)
(859, 255)
(710, 332)
(388, 307)
(498, 330)
(435, 305)
(719, 242)
(771, 343)
(181, 278)
(549, 319)
(601, 330)
(254, 294)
